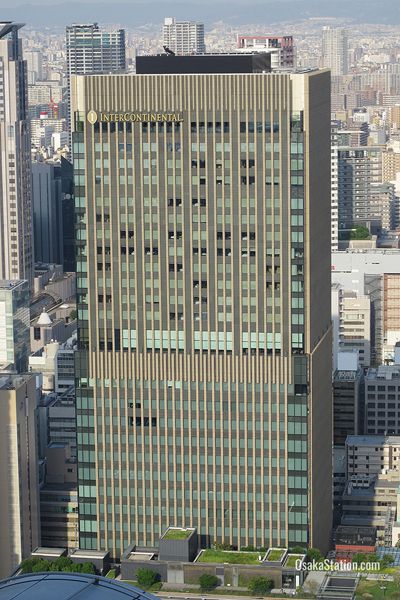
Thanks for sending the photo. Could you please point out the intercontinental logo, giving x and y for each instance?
(134, 117)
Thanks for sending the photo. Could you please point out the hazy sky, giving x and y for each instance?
(139, 12)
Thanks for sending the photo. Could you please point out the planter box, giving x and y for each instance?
(178, 544)
(275, 556)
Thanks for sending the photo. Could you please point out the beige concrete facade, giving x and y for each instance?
(19, 488)
(204, 396)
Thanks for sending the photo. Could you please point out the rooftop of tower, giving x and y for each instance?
(235, 62)
(7, 27)
(256, 61)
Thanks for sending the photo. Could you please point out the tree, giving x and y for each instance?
(40, 566)
(313, 554)
(260, 586)
(298, 550)
(73, 314)
(386, 561)
(27, 564)
(362, 558)
(223, 546)
(147, 577)
(208, 582)
(61, 563)
(360, 233)
(88, 568)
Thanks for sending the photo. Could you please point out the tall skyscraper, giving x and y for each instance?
(16, 261)
(335, 50)
(281, 48)
(184, 37)
(204, 363)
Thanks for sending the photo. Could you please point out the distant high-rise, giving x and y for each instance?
(93, 50)
(355, 174)
(281, 48)
(184, 37)
(34, 61)
(16, 253)
(335, 50)
(203, 262)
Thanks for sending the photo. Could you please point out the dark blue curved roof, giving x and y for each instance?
(68, 586)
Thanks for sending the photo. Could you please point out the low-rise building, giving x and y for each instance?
(382, 401)
(178, 559)
(56, 364)
(348, 393)
(350, 540)
(59, 499)
(355, 326)
(374, 505)
(371, 455)
(44, 330)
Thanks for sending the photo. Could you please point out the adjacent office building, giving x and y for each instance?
(19, 487)
(348, 404)
(16, 260)
(14, 326)
(53, 218)
(183, 37)
(204, 365)
(335, 50)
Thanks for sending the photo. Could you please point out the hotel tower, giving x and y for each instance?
(204, 363)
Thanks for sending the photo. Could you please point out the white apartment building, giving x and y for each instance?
(355, 326)
(335, 50)
(183, 37)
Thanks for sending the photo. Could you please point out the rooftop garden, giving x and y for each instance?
(176, 533)
(275, 554)
(227, 556)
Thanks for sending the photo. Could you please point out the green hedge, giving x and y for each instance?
(64, 563)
